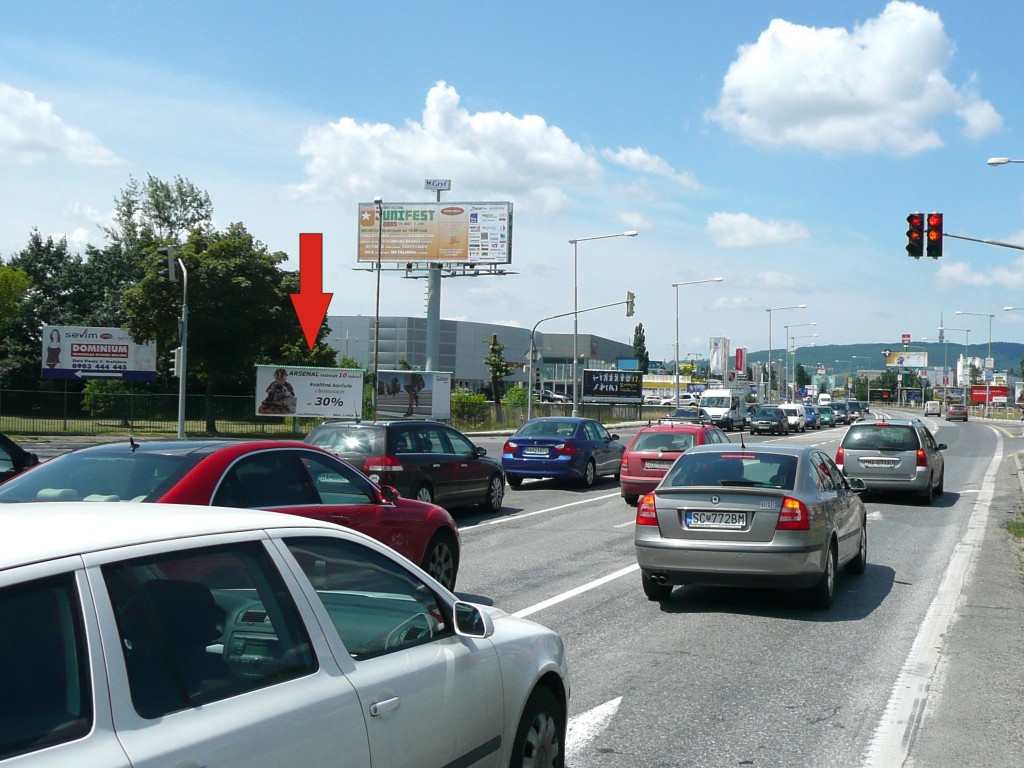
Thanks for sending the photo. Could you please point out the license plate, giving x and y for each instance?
(733, 520)
(535, 451)
(879, 463)
(657, 465)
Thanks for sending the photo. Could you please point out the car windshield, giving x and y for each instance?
(720, 401)
(749, 468)
(663, 441)
(766, 413)
(548, 429)
(109, 475)
(881, 437)
(824, 409)
(348, 439)
(687, 413)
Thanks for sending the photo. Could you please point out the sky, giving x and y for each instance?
(778, 145)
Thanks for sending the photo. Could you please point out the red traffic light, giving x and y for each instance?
(915, 235)
(934, 235)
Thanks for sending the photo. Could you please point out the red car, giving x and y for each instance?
(956, 412)
(654, 449)
(279, 475)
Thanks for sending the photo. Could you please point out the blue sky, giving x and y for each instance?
(778, 145)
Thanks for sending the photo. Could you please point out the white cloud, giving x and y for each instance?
(731, 302)
(635, 220)
(741, 230)
(31, 132)
(776, 280)
(638, 159)
(955, 275)
(878, 88)
(491, 152)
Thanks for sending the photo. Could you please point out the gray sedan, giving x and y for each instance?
(768, 515)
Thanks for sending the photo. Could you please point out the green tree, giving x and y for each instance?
(14, 284)
(802, 377)
(640, 348)
(499, 368)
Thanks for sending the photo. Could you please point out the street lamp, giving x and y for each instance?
(988, 376)
(676, 286)
(1002, 161)
(787, 327)
(377, 201)
(768, 391)
(576, 309)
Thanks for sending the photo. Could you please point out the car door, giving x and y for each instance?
(472, 473)
(439, 463)
(430, 698)
(600, 444)
(843, 507)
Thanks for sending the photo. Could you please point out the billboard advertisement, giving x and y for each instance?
(77, 352)
(330, 393)
(605, 386)
(463, 233)
(906, 360)
(426, 394)
(719, 356)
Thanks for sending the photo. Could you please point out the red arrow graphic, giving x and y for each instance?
(311, 302)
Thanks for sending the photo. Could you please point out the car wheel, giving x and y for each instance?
(514, 481)
(928, 494)
(589, 474)
(942, 483)
(631, 498)
(423, 493)
(441, 560)
(495, 494)
(655, 591)
(540, 737)
(860, 562)
(823, 593)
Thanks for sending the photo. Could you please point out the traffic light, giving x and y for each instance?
(169, 270)
(934, 235)
(175, 367)
(629, 303)
(915, 235)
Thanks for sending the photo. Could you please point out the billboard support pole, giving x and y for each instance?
(433, 317)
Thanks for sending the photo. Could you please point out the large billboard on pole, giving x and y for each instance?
(86, 352)
(330, 393)
(464, 233)
(422, 394)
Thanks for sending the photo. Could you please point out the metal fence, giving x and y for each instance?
(76, 413)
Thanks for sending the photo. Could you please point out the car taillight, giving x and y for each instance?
(922, 458)
(625, 461)
(646, 512)
(509, 447)
(793, 516)
(840, 454)
(564, 449)
(382, 464)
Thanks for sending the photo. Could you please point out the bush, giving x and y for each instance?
(470, 410)
(516, 397)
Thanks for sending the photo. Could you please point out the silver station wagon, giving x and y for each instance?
(149, 635)
(765, 515)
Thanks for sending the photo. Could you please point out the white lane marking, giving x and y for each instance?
(513, 518)
(628, 522)
(908, 701)
(584, 727)
(577, 591)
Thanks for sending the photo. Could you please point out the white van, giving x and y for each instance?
(824, 398)
(796, 414)
(932, 408)
(725, 407)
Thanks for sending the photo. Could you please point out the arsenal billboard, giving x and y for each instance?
(463, 233)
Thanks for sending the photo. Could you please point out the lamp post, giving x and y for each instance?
(1002, 161)
(576, 309)
(988, 377)
(676, 286)
(788, 379)
(377, 201)
(768, 391)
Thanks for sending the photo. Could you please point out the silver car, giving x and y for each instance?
(767, 515)
(894, 455)
(157, 635)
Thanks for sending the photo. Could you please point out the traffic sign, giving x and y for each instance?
(906, 339)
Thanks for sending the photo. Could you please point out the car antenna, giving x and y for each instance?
(743, 445)
(133, 444)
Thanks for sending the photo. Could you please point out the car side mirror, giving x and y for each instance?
(615, 437)
(471, 621)
(481, 451)
(389, 494)
(942, 446)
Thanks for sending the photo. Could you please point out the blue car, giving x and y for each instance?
(813, 418)
(563, 447)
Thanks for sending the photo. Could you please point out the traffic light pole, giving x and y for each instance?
(183, 359)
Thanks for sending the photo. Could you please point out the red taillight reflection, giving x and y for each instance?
(922, 458)
(840, 455)
(793, 516)
(646, 512)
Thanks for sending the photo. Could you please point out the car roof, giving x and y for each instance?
(676, 426)
(783, 449)
(35, 532)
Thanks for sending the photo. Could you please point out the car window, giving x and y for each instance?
(823, 475)
(663, 441)
(548, 429)
(405, 441)
(376, 605)
(595, 431)
(114, 474)
(44, 669)
(460, 444)
(205, 624)
(881, 437)
(337, 483)
(266, 479)
(6, 461)
(432, 440)
(365, 441)
(742, 468)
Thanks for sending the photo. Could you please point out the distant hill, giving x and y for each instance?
(1007, 354)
